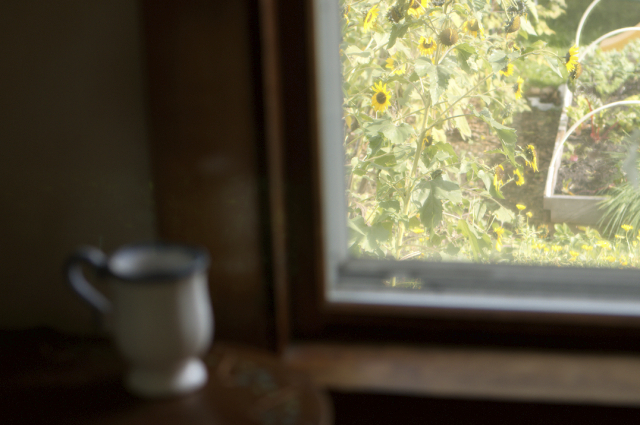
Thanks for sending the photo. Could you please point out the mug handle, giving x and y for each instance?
(73, 270)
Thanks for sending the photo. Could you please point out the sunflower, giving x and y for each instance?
(473, 27)
(427, 141)
(531, 157)
(507, 70)
(512, 25)
(575, 73)
(517, 88)
(499, 232)
(571, 59)
(519, 177)
(449, 36)
(370, 19)
(394, 14)
(381, 98)
(498, 177)
(392, 64)
(417, 8)
(427, 46)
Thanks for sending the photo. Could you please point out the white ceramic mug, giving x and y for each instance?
(159, 310)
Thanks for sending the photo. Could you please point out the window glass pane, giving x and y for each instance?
(452, 113)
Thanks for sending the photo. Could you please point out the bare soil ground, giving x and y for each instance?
(538, 128)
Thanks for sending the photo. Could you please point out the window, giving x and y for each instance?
(570, 293)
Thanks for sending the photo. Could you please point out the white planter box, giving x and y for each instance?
(565, 208)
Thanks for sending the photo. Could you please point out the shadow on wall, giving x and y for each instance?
(74, 165)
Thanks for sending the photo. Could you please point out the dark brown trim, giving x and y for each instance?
(207, 150)
(487, 373)
(272, 99)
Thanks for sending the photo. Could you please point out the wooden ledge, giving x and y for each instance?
(491, 374)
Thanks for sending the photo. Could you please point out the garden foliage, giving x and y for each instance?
(414, 73)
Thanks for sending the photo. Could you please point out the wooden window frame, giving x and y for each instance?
(303, 315)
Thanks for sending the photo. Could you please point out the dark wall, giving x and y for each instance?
(203, 61)
(74, 164)
(122, 121)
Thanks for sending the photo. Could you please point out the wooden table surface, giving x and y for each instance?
(47, 378)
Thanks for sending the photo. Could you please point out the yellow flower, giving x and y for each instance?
(519, 177)
(619, 237)
(511, 45)
(587, 247)
(498, 176)
(427, 46)
(517, 88)
(576, 72)
(417, 8)
(626, 227)
(473, 27)
(556, 248)
(603, 244)
(499, 232)
(610, 258)
(392, 64)
(521, 207)
(381, 98)
(370, 18)
(529, 214)
(623, 261)
(531, 157)
(507, 70)
(571, 59)
(573, 254)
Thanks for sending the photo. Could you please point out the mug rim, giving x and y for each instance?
(199, 261)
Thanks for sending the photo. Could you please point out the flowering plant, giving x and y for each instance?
(415, 72)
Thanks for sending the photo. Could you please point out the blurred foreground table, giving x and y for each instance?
(49, 378)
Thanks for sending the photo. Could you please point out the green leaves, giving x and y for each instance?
(463, 52)
(368, 237)
(554, 64)
(533, 8)
(397, 31)
(526, 26)
(361, 56)
(439, 190)
(439, 77)
(504, 215)
(431, 211)
(463, 227)
(506, 135)
(396, 134)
